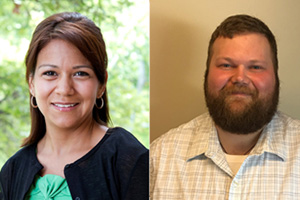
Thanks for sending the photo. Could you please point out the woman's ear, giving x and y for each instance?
(31, 85)
(102, 87)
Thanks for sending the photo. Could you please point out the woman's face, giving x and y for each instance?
(65, 85)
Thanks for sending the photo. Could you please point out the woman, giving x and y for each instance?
(70, 152)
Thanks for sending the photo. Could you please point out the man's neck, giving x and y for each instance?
(237, 144)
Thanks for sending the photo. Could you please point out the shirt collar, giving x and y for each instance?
(272, 139)
(204, 140)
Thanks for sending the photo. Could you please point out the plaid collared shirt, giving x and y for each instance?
(188, 163)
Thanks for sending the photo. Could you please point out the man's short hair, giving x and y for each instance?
(243, 24)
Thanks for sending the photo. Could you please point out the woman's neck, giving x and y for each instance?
(64, 141)
(61, 147)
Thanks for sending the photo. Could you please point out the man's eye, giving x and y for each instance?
(256, 67)
(50, 73)
(225, 65)
(81, 74)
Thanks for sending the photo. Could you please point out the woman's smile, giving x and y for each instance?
(65, 106)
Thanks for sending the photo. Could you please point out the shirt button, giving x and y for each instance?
(77, 198)
(235, 184)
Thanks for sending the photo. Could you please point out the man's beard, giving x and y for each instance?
(249, 117)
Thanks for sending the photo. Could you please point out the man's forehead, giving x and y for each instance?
(237, 39)
(252, 48)
(235, 35)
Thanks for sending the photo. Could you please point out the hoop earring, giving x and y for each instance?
(102, 104)
(32, 102)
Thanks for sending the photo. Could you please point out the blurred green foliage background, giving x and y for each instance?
(125, 27)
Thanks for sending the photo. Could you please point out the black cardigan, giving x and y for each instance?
(116, 168)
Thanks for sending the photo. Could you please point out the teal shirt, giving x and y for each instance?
(48, 187)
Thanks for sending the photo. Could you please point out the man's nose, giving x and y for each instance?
(240, 75)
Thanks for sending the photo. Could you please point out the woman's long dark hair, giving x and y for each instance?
(86, 36)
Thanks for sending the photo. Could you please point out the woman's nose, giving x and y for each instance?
(65, 86)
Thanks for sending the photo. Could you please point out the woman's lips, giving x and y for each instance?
(65, 106)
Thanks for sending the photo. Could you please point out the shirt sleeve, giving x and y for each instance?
(138, 187)
(1, 195)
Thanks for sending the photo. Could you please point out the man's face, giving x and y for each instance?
(240, 88)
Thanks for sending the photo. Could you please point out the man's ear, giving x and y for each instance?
(31, 85)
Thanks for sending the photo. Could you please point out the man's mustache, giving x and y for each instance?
(238, 89)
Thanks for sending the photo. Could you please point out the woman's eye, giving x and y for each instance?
(81, 74)
(50, 73)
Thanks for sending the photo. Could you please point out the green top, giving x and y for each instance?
(48, 187)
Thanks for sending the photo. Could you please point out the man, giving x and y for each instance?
(243, 148)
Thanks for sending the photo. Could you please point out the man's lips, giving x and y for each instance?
(241, 93)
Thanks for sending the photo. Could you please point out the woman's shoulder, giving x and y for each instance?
(23, 156)
(18, 171)
(123, 138)
(119, 144)
(127, 150)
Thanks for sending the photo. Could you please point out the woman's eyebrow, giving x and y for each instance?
(55, 66)
(47, 65)
(82, 66)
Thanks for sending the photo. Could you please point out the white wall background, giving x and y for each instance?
(179, 34)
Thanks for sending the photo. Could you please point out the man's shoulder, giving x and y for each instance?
(285, 130)
(183, 133)
(286, 122)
